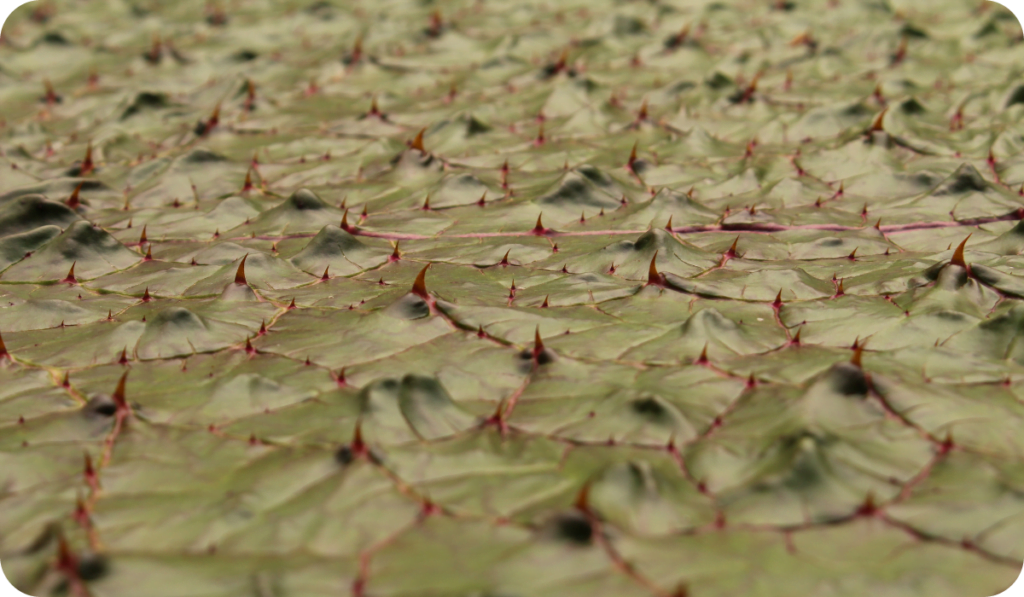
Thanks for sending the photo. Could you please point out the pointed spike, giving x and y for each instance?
(263, 328)
(840, 291)
(87, 166)
(142, 237)
(426, 203)
(396, 255)
(958, 255)
(669, 225)
(365, 214)
(291, 305)
(703, 358)
(853, 254)
(358, 446)
(732, 250)
(73, 201)
(642, 115)
(544, 305)
(777, 304)
(878, 225)
(240, 273)
(539, 228)
(419, 287)
(248, 346)
(326, 276)
(856, 359)
(653, 277)
(877, 124)
(344, 222)
(632, 156)
(796, 339)
(119, 395)
(417, 143)
(70, 279)
(247, 185)
(123, 360)
(145, 296)
(149, 253)
(3, 349)
(504, 260)
(582, 502)
(538, 344)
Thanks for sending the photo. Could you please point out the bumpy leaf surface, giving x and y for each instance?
(578, 298)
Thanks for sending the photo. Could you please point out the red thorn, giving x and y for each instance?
(419, 286)
(247, 186)
(396, 255)
(417, 142)
(51, 96)
(87, 166)
(240, 273)
(853, 255)
(582, 502)
(777, 304)
(958, 255)
(149, 253)
(291, 305)
(840, 291)
(142, 237)
(248, 346)
(263, 328)
(540, 136)
(878, 225)
(90, 473)
(868, 508)
(703, 358)
(565, 270)
(119, 394)
(877, 124)
(539, 229)
(731, 252)
(73, 201)
(669, 225)
(326, 276)
(70, 279)
(796, 339)
(504, 260)
(538, 344)
(358, 446)
(364, 215)
(375, 110)
(642, 114)
(544, 305)
(856, 358)
(145, 296)
(653, 276)
(632, 158)
(123, 360)
(901, 52)
(344, 223)
(66, 382)
(3, 349)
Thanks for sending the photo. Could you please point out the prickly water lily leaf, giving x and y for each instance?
(630, 299)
